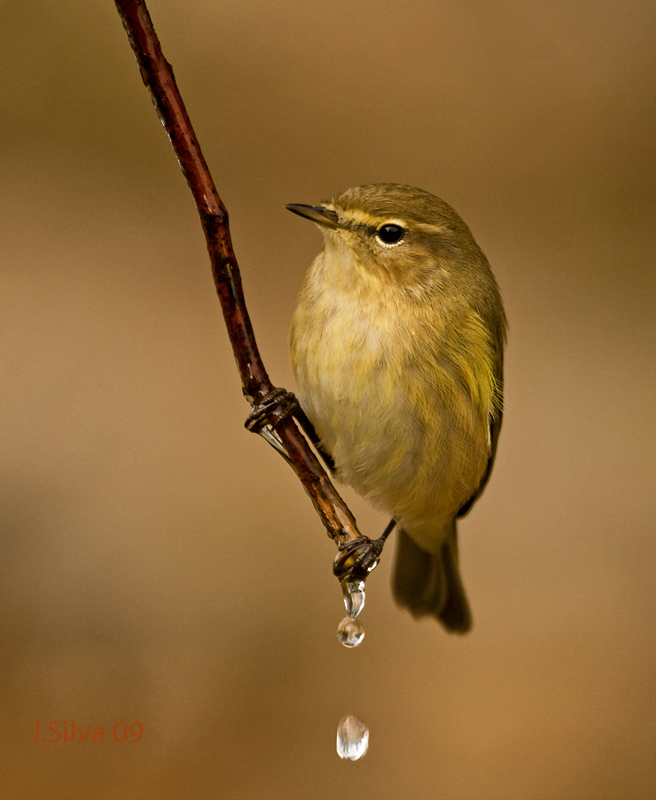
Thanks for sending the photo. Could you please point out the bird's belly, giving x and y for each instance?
(399, 427)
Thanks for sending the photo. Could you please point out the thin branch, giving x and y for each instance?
(158, 77)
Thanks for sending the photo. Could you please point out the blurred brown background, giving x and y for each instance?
(160, 565)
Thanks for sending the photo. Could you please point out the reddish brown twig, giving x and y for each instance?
(158, 77)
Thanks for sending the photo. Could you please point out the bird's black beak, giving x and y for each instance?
(319, 214)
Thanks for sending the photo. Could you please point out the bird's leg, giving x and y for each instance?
(278, 405)
(380, 542)
(357, 558)
(309, 431)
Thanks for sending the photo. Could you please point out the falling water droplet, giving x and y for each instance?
(350, 632)
(352, 738)
(353, 597)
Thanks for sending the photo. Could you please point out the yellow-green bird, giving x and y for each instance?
(397, 348)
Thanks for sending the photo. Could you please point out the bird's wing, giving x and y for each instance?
(496, 418)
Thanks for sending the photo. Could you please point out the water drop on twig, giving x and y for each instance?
(350, 632)
(353, 597)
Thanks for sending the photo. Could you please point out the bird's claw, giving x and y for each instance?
(356, 558)
(276, 406)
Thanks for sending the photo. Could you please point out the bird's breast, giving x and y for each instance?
(387, 402)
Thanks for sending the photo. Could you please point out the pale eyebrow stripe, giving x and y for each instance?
(362, 218)
(369, 220)
(426, 227)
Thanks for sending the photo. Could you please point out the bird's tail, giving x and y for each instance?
(427, 583)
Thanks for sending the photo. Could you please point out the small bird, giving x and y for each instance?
(397, 349)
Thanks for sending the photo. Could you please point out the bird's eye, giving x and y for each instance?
(390, 233)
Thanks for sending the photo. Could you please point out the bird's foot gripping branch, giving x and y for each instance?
(357, 558)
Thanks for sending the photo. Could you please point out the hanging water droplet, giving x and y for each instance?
(350, 632)
(353, 597)
(352, 738)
